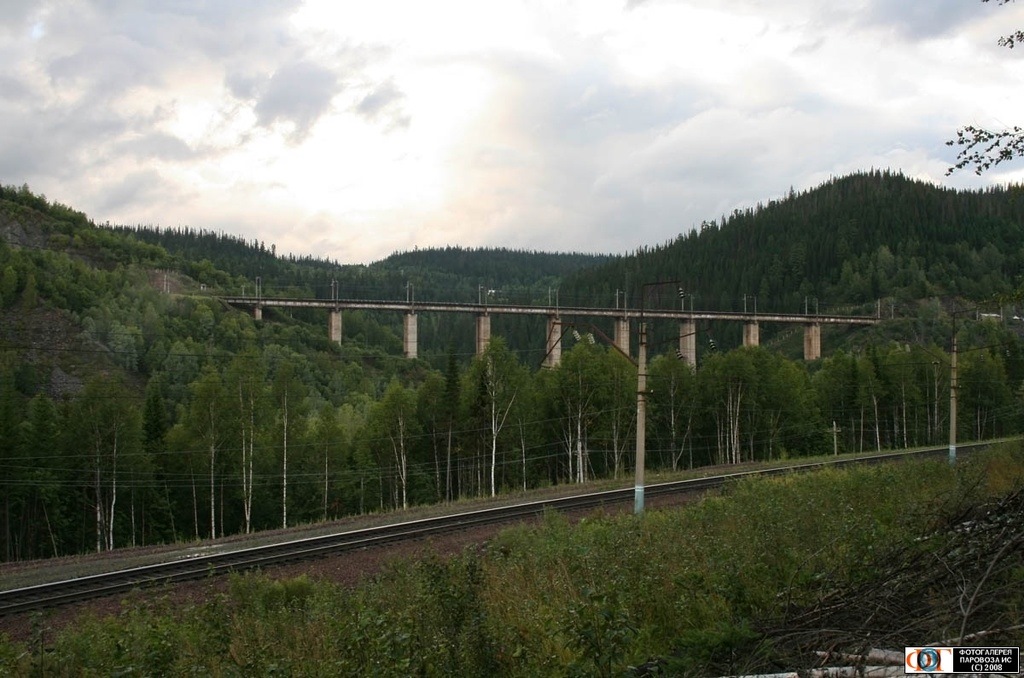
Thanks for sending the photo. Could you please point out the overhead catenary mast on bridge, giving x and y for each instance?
(486, 308)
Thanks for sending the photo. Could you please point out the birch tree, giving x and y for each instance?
(729, 379)
(450, 415)
(154, 431)
(984, 394)
(430, 412)
(524, 419)
(787, 418)
(621, 382)
(246, 382)
(10, 415)
(289, 395)
(391, 428)
(109, 426)
(581, 390)
(498, 378)
(358, 464)
(836, 389)
(208, 421)
(673, 407)
(41, 497)
(870, 391)
(326, 436)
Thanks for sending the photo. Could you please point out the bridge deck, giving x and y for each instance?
(549, 311)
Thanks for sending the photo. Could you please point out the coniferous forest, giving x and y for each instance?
(137, 408)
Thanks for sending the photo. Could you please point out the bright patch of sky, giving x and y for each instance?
(352, 130)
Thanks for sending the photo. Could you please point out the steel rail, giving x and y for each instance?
(54, 594)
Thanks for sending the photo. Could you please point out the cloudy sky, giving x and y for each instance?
(355, 129)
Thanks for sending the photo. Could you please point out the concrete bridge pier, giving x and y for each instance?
(751, 333)
(554, 342)
(812, 341)
(257, 312)
(483, 332)
(409, 342)
(621, 337)
(334, 325)
(688, 342)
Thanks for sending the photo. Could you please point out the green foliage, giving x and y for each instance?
(145, 639)
(111, 324)
(849, 242)
(600, 633)
(719, 645)
(686, 592)
(259, 595)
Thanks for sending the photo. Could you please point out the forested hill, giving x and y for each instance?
(191, 419)
(852, 240)
(513, 275)
(443, 274)
(502, 265)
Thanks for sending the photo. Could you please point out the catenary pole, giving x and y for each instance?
(641, 420)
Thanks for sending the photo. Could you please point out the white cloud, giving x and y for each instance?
(298, 93)
(355, 130)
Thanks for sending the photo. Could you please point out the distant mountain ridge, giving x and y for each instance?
(499, 265)
(435, 271)
(853, 239)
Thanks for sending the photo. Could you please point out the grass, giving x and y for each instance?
(718, 587)
(20, 574)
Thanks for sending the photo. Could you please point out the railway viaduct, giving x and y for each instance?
(621, 317)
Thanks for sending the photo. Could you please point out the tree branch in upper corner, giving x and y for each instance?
(984, 149)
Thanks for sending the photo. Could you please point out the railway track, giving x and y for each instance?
(57, 593)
